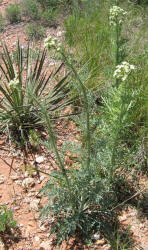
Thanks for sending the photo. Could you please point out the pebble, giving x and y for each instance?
(37, 238)
(26, 200)
(96, 236)
(16, 208)
(20, 225)
(45, 245)
(28, 182)
(18, 182)
(42, 178)
(123, 218)
(34, 204)
(26, 174)
(100, 242)
(46, 167)
(2, 179)
(39, 159)
(14, 177)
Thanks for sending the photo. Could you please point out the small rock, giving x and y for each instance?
(14, 177)
(46, 167)
(45, 245)
(18, 182)
(20, 248)
(30, 195)
(59, 33)
(16, 208)
(37, 238)
(34, 173)
(43, 228)
(6, 203)
(28, 182)
(42, 178)
(123, 218)
(100, 242)
(2, 179)
(132, 214)
(20, 225)
(96, 236)
(26, 174)
(2, 246)
(34, 204)
(39, 159)
(26, 200)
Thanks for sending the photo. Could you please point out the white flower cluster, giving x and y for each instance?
(14, 83)
(116, 15)
(52, 43)
(123, 70)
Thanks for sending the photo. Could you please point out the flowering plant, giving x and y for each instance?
(123, 70)
(14, 83)
(117, 15)
(52, 43)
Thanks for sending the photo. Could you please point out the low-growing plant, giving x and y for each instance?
(49, 17)
(18, 112)
(35, 31)
(1, 23)
(30, 9)
(13, 13)
(6, 220)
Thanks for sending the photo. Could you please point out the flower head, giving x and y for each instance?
(116, 15)
(14, 83)
(50, 43)
(123, 70)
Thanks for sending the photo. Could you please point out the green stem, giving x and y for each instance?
(50, 132)
(86, 108)
(117, 44)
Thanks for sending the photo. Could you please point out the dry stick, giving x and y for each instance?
(129, 198)
(9, 165)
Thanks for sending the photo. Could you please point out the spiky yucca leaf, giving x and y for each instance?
(18, 111)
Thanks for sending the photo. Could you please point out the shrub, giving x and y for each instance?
(49, 17)
(18, 112)
(30, 9)
(35, 31)
(48, 3)
(13, 13)
(57, 3)
(6, 220)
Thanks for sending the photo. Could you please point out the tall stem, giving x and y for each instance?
(86, 108)
(117, 61)
(50, 132)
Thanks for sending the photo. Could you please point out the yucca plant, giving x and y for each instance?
(18, 112)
